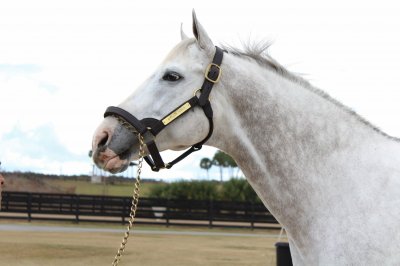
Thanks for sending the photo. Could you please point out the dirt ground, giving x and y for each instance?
(70, 248)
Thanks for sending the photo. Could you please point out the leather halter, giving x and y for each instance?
(150, 127)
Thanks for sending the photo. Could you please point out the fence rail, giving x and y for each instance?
(84, 208)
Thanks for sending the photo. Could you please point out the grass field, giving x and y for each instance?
(55, 248)
(71, 186)
(87, 188)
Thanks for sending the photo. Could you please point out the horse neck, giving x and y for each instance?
(283, 135)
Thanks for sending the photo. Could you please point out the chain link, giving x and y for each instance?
(136, 191)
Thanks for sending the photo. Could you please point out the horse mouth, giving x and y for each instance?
(114, 147)
(112, 162)
(116, 165)
(113, 158)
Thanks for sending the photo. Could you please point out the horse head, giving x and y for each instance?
(178, 78)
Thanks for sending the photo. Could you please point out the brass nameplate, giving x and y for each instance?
(176, 114)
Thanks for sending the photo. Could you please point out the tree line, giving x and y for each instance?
(236, 189)
(222, 161)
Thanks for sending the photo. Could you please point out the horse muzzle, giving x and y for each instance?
(114, 146)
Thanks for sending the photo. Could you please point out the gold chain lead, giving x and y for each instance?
(135, 196)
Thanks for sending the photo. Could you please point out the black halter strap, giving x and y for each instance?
(154, 126)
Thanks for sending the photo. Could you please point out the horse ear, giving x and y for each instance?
(201, 36)
(183, 35)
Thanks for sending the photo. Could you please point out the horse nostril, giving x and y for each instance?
(103, 141)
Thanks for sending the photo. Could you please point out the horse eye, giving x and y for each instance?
(172, 76)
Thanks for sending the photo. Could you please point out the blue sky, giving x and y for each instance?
(63, 62)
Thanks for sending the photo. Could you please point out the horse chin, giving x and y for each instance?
(116, 165)
(109, 161)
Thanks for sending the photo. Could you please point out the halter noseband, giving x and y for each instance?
(150, 127)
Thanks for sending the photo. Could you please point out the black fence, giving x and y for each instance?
(84, 208)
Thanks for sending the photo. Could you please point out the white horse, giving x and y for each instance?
(326, 174)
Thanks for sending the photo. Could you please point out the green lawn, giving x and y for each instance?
(87, 188)
(68, 248)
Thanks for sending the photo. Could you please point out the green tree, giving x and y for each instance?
(219, 160)
(206, 164)
(186, 190)
(238, 189)
(223, 160)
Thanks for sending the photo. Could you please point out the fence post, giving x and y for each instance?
(167, 213)
(124, 210)
(102, 204)
(210, 213)
(40, 202)
(252, 214)
(29, 207)
(71, 204)
(6, 198)
(60, 203)
(5, 204)
(77, 199)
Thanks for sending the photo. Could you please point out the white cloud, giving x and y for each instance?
(40, 150)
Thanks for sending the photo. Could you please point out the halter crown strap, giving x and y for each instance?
(212, 76)
(154, 126)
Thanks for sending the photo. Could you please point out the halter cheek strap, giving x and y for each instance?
(150, 127)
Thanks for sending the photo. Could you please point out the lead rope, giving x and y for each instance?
(135, 196)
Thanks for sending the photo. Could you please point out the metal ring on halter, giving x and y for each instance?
(197, 90)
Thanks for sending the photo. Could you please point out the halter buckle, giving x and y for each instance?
(166, 166)
(206, 74)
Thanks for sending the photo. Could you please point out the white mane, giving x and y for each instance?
(258, 51)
